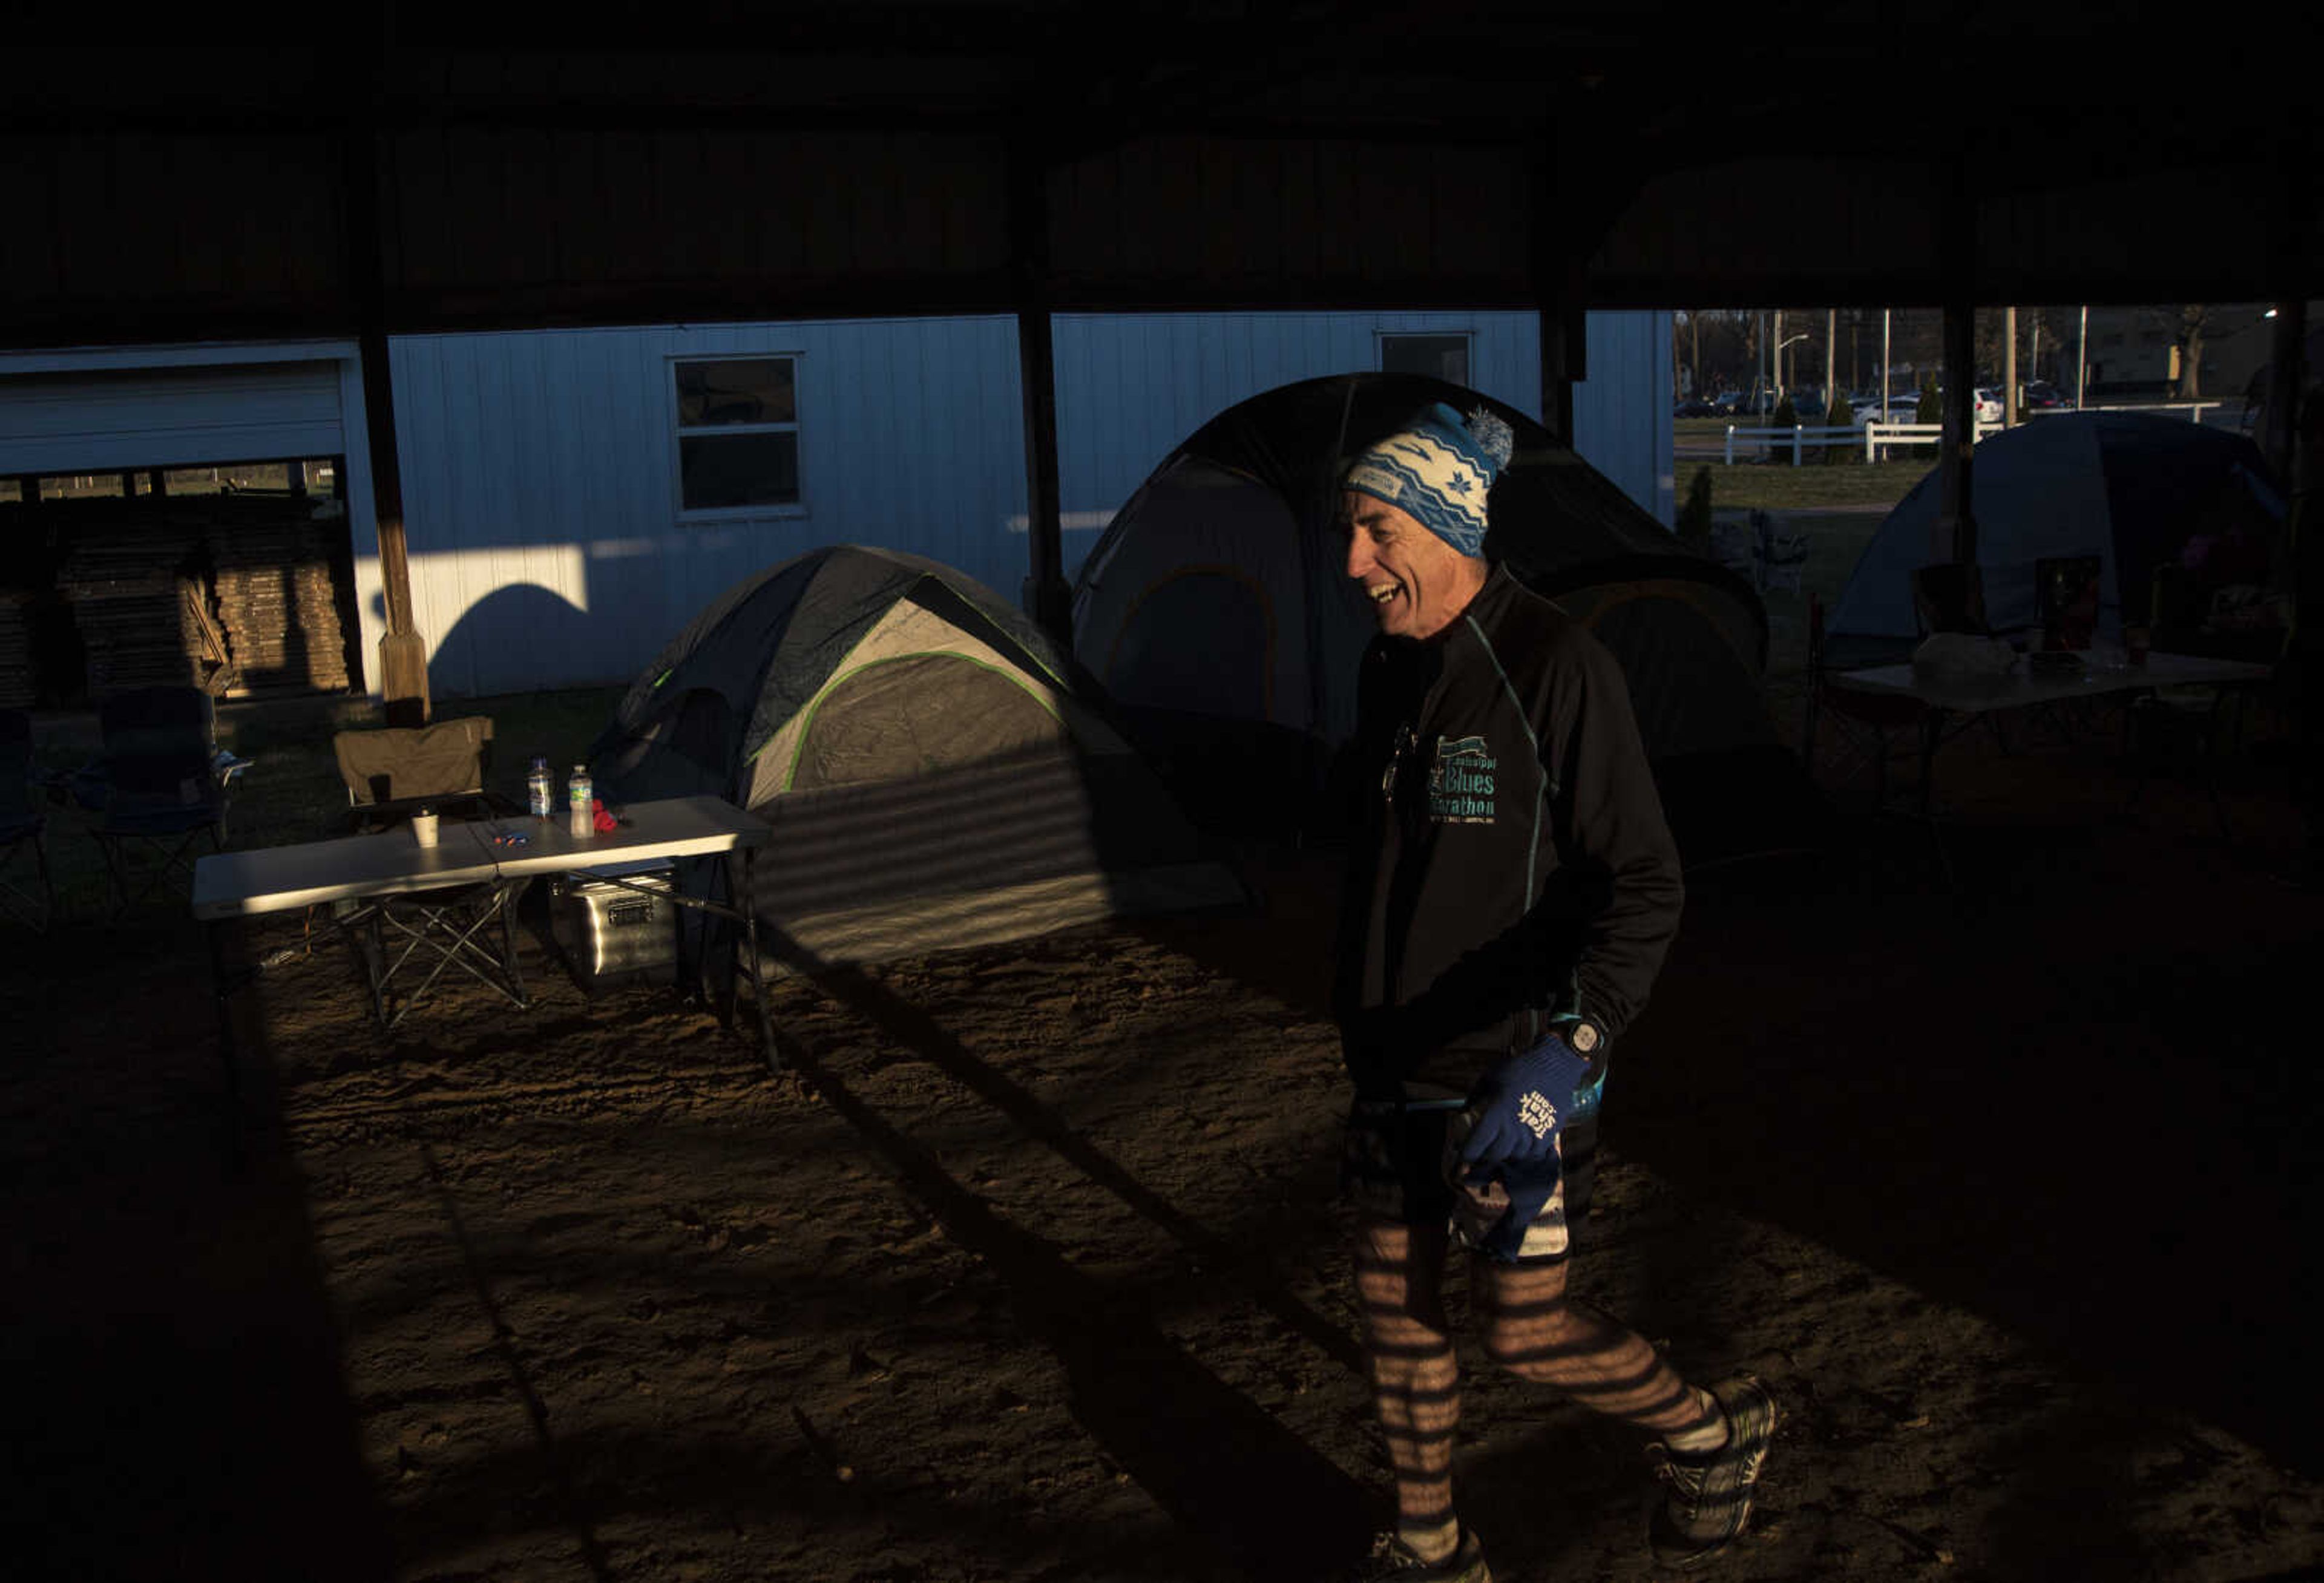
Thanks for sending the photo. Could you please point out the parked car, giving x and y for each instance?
(2041, 394)
(1694, 407)
(1989, 404)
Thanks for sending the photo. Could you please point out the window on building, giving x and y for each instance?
(1445, 357)
(737, 433)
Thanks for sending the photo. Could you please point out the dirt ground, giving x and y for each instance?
(1030, 1268)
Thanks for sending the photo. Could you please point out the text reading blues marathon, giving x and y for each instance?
(1461, 782)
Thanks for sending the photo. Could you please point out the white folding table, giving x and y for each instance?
(1950, 696)
(459, 887)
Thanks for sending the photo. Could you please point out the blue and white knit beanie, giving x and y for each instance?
(1438, 468)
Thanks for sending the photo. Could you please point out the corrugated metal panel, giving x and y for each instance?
(1188, 220)
(573, 210)
(216, 234)
(101, 420)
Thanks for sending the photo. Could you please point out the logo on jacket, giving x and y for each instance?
(1461, 783)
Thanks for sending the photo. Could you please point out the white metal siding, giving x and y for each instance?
(1622, 411)
(539, 468)
(111, 419)
(1132, 387)
(539, 481)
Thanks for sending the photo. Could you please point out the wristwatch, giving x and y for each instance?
(1584, 1035)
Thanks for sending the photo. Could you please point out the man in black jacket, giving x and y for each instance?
(1512, 891)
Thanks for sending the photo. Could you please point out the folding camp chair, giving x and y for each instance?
(393, 772)
(1782, 556)
(158, 785)
(24, 826)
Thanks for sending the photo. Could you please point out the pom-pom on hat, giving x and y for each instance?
(1438, 468)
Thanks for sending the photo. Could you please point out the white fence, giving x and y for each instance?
(1875, 437)
(2194, 409)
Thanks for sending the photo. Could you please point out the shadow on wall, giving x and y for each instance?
(520, 636)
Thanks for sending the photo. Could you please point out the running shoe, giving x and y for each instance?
(1709, 1496)
(1391, 1562)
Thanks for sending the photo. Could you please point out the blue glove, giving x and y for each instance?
(1529, 1184)
(1521, 1104)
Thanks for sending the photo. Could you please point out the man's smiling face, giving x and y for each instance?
(1416, 583)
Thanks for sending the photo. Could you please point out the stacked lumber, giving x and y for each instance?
(276, 602)
(123, 582)
(206, 640)
(16, 651)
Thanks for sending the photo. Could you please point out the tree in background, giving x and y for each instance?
(1785, 416)
(2194, 318)
(1932, 409)
(1838, 414)
(1695, 516)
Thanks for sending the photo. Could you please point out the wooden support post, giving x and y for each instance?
(402, 652)
(1045, 598)
(1554, 263)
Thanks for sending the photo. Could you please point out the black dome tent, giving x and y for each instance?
(1213, 612)
(936, 774)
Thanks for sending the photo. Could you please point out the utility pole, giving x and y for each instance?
(2009, 368)
(1830, 355)
(1778, 385)
(1884, 366)
(2083, 360)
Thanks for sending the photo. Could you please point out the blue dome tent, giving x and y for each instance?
(2134, 489)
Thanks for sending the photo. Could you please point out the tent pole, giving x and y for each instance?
(1046, 597)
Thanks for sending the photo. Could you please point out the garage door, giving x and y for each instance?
(104, 421)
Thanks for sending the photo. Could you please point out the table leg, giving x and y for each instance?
(510, 894)
(1932, 727)
(757, 979)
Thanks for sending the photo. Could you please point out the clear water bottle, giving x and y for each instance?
(541, 790)
(579, 795)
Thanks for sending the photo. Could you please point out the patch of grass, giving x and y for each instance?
(292, 791)
(1781, 487)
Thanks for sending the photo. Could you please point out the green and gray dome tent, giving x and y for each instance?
(1215, 613)
(936, 774)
